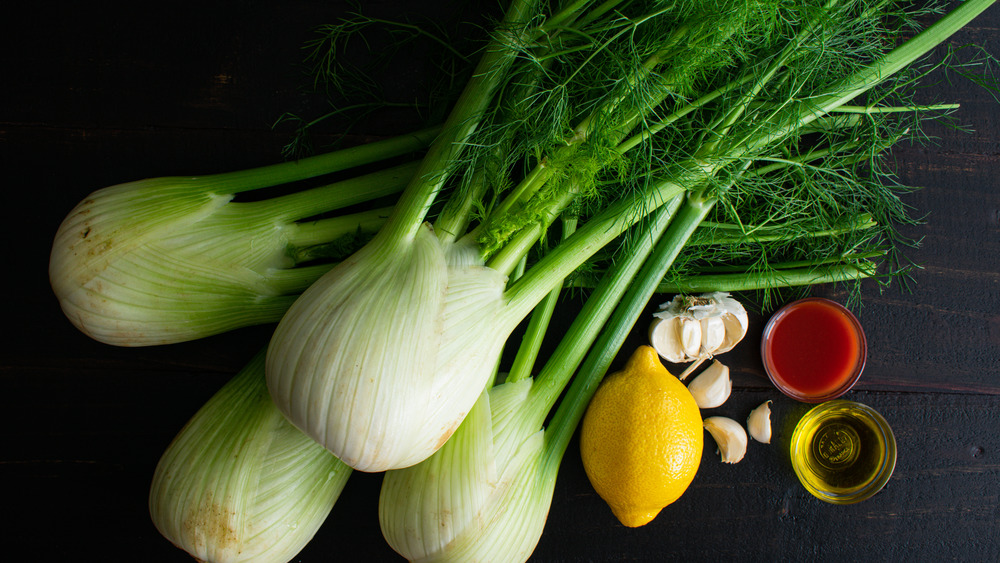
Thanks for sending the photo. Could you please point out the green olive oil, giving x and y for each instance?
(843, 452)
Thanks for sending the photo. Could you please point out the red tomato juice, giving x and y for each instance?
(815, 347)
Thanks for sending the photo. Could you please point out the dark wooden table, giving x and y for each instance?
(94, 96)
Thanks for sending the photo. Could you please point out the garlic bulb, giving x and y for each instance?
(729, 437)
(381, 359)
(712, 387)
(690, 328)
(759, 423)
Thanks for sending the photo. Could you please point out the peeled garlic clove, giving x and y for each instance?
(712, 387)
(729, 436)
(759, 423)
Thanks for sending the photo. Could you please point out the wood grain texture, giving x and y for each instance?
(98, 95)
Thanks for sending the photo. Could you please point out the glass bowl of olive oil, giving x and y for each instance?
(843, 452)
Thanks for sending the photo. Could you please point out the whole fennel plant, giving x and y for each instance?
(743, 107)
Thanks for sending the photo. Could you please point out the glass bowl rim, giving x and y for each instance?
(878, 481)
(851, 380)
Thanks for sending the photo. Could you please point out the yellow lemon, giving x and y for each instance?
(641, 439)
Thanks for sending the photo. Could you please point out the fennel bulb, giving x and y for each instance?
(382, 357)
(484, 496)
(172, 259)
(241, 484)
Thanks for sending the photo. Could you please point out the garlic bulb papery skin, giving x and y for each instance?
(239, 484)
(690, 328)
(380, 359)
(729, 436)
(712, 387)
(484, 496)
(759, 423)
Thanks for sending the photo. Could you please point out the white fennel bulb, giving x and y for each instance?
(382, 357)
(172, 259)
(239, 484)
(484, 496)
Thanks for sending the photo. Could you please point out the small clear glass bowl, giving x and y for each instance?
(824, 452)
(772, 371)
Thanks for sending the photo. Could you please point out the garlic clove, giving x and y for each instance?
(759, 423)
(676, 339)
(713, 334)
(736, 329)
(712, 387)
(663, 337)
(735, 319)
(729, 436)
(689, 334)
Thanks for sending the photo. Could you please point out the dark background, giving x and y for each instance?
(93, 96)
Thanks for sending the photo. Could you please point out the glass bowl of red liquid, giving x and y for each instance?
(814, 350)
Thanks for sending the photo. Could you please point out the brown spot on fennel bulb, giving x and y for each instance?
(448, 431)
(239, 483)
